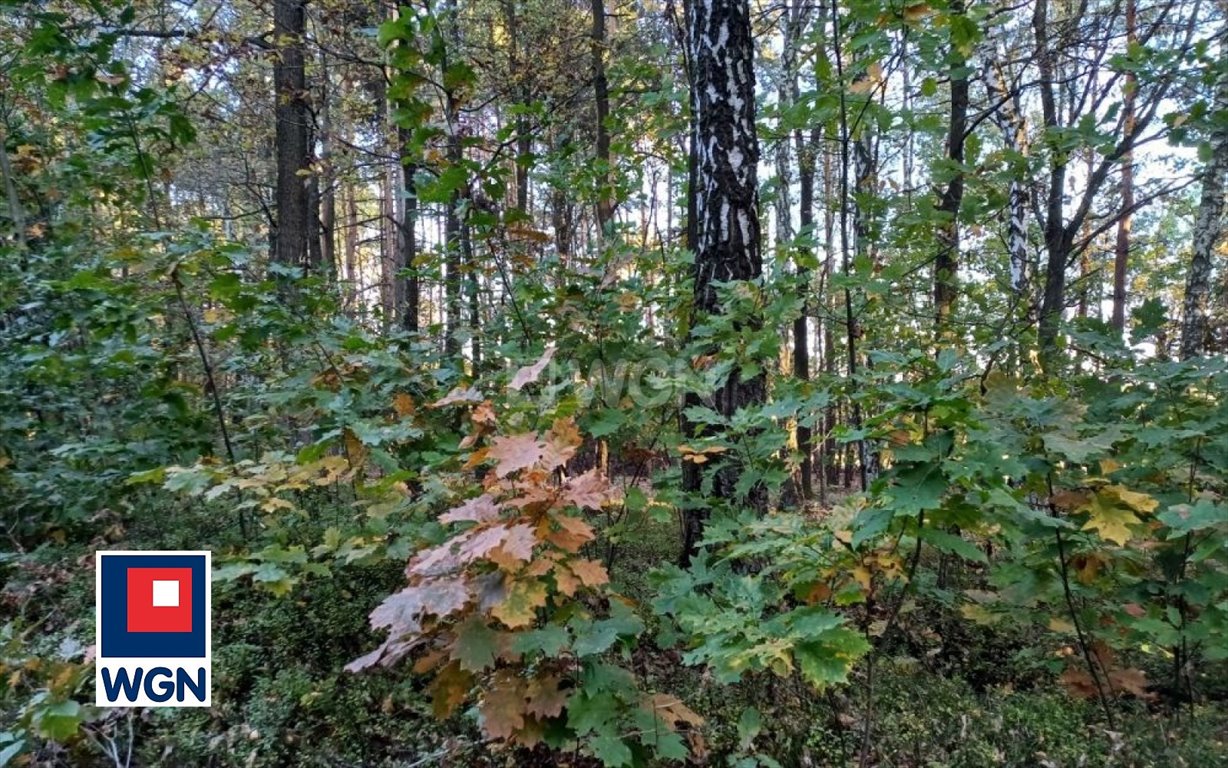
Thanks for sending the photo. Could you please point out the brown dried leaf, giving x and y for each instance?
(355, 451)
(1132, 681)
(401, 611)
(566, 581)
(449, 690)
(404, 406)
(514, 453)
(542, 565)
(503, 706)
(1078, 683)
(482, 542)
(430, 660)
(1069, 500)
(484, 414)
(482, 509)
(438, 560)
(528, 374)
(546, 699)
(458, 396)
(520, 541)
(591, 572)
(588, 491)
(673, 711)
(573, 533)
(561, 443)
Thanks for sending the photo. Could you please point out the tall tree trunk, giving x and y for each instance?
(524, 139)
(290, 135)
(452, 267)
(946, 280)
(1056, 243)
(328, 191)
(857, 140)
(1011, 123)
(1121, 251)
(16, 212)
(352, 275)
(472, 285)
(830, 448)
(727, 201)
(794, 24)
(453, 245)
(601, 96)
(409, 235)
(1208, 230)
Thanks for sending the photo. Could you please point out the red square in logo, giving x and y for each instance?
(159, 599)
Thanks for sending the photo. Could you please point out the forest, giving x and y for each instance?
(733, 383)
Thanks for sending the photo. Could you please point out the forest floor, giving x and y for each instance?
(944, 694)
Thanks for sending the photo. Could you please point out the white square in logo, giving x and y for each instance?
(166, 594)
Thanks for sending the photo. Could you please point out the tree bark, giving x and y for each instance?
(409, 236)
(328, 190)
(946, 280)
(601, 96)
(726, 201)
(1208, 231)
(1121, 250)
(794, 24)
(291, 143)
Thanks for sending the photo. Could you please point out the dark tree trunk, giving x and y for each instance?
(328, 189)
(291, 134)
(409, 235)
(726, 201)
(831, 469)
(946, 265)
(801, 326)
(1121, 251)
(794, 25)
(601, 95)
(454, 245)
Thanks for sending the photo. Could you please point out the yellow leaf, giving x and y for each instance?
(520, 606)
(1111, 521)
(1087, 567)
(1057, 624)
(1140, 502)
(867, 84)
(862, 576)
(979, 614)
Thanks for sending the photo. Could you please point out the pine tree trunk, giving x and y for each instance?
(409, 236)
(291, 130)
(328, 191)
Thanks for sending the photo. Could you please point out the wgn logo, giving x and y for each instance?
(153, 629)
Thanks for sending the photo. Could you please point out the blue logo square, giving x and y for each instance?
(116, 639)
